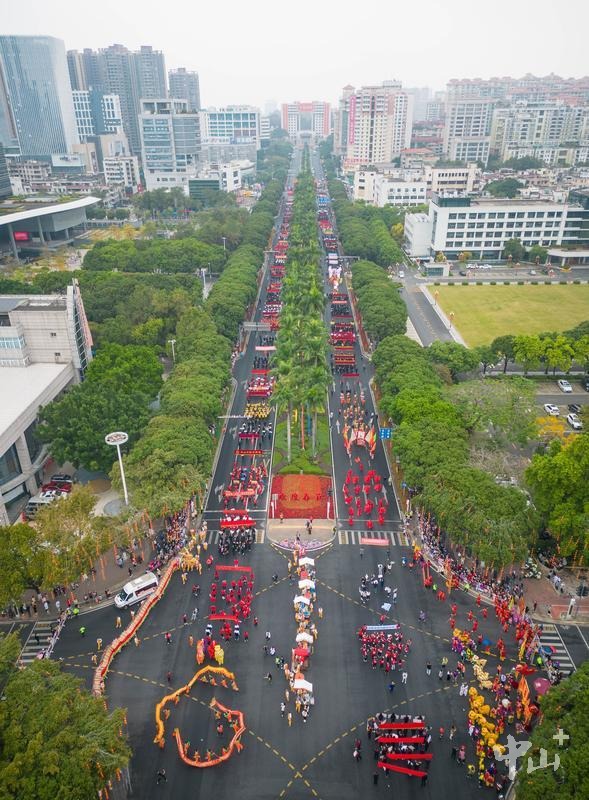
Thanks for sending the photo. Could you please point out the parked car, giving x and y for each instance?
(61, 477)
(585, 384)
(551, 410)
(564, 386)
(56, 486)
(401, 274)
(463, 273)
(575, 422)
(575, 408)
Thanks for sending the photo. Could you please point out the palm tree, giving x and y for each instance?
(283, 397)
(315, 400)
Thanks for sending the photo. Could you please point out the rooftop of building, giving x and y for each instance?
(417, 217)
(23, 387)
(35, 302)
(45, 209)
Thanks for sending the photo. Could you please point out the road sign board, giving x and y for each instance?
(385, 433)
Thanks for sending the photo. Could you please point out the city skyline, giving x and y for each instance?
(247, 60)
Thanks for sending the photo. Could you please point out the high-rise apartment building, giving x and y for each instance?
(184, 85)
(96, 113)
(379, 123)
(538, 126)
(341, 119)
(170, 143)
(115, 70)
(468, 117)
(86, 69)
(150, 71)
(313, 116)
(36, 78)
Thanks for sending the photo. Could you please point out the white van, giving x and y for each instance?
(37, 502)
(136, 590)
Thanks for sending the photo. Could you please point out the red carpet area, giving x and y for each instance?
(302, 496)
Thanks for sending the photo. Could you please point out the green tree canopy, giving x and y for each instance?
(514, 250)
(558, 482)
(508, 187)
(58, 741)
(564, 708)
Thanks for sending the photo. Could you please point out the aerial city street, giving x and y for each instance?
(293, 421)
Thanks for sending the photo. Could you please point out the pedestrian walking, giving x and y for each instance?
(282, 709)
(428, 668)
(246, 636)
(357, 754)
(424, 778)
(83, 631)
(442, 731)
(118, 623)
(168, 637)
(184, 619)
(361, 552)
(255, 622)
(169, 677)
(404, 677)
(190, 640)
(320, 612)
(440, 674)
(304, 714)
(375, 778)
(287, 695)
(452, 733)
(220, 729)
(289, 718)
(268, 677)
(161, 776)
(137, 640)
(132, 615)
(268, 636)
(94, 659)
(194, 615)
(454, 752)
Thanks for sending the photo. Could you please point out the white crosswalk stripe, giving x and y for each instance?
(42, 632)
(551, 638)
(394, 538)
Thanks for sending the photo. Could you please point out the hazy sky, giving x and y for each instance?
(258, 50)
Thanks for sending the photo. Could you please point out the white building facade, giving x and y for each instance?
(122, 171)
(45, 346)
(170, 143)
(379, 124)
(483, 226)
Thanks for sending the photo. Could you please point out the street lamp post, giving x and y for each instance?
(224, 240)
(173, 343)
(116, 439)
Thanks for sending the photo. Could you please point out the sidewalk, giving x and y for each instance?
(108, 576)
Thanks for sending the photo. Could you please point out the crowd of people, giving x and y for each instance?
(236, 540)
(233, 597)
(386, 650)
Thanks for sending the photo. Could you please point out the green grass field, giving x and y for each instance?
(481, 313)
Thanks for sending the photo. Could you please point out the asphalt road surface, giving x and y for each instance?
(312, 760)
